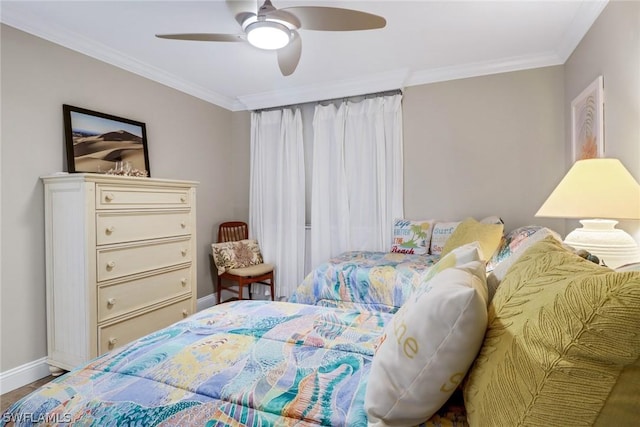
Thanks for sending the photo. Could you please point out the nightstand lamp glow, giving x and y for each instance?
(602, 189)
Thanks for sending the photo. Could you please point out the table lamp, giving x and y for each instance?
(604, 190)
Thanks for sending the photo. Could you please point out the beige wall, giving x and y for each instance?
(188, 139)
(611, 48)
(499, 144)
(484, 146)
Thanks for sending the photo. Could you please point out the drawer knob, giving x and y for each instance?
(183, 199)
(183, 281)
(183, 224)
(109, 230)
(111, 302)
(185, 313)
(111, 265)
(183, 252)
(113, 341)
(108, 197)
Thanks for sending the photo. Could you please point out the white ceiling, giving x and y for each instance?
(423, 42)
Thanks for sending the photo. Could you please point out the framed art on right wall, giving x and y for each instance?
(587, 122)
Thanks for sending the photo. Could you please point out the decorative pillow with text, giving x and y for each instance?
(411, 237)
(441, 233)
(430, 343)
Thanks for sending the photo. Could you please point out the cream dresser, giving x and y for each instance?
(120, 261)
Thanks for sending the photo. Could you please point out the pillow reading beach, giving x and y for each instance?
(411, 237)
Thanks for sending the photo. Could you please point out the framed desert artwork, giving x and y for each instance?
(587, 122)
(99, 143)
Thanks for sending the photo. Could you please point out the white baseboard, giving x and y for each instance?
(33, 371)
(23, 375)
(206, 302)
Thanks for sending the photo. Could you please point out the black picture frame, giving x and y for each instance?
(96, 141)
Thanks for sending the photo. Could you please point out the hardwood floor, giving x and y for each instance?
(9, 398)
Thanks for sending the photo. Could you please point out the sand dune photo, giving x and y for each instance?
(96, 141)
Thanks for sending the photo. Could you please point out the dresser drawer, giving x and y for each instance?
(121, 261)
(118, 334)
(123, 197)
(129, 227)
(122, 298)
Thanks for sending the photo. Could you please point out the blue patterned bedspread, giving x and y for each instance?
(241, 363)
(244, 363)
(361, 280)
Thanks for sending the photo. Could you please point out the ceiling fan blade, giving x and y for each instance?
(281, 15)
(237, 6)
(204, 37)
(243, 16)
(335, 19)
(289, 56)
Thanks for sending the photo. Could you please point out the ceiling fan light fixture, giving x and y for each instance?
(268, 35)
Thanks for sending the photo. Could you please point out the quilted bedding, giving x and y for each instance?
(362, 280)
(245, 363)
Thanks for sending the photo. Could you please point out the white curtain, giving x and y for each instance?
(357, 181)
(276, 204)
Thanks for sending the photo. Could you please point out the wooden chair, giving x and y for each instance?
(233, 231)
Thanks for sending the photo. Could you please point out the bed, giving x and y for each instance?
(311, 362)
(364, 280)
(248, 363)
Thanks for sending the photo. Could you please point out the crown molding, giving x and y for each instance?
(38, 27)
(483, 68)
(394, 79)
(336, 89)
(586, 16)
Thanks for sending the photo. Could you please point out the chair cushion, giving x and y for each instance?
(253, 270)
(240, 254)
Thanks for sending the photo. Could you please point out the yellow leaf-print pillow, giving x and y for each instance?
(562, 345)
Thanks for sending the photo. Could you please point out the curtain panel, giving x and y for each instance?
(357, 180)
(277, 194)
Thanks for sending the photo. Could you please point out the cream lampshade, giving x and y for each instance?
(602, 189)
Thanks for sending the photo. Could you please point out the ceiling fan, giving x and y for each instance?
(277, 29)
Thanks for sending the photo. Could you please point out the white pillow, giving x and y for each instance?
(411, 237)
(440, 234)
(430, 343)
